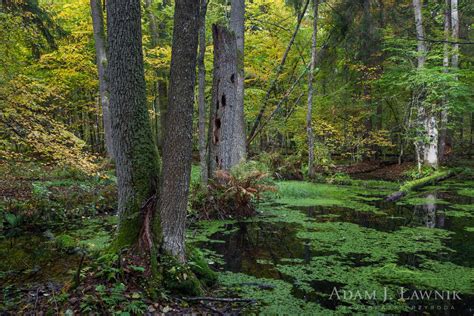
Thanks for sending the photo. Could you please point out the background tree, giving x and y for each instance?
(309, 117)
(101, 53)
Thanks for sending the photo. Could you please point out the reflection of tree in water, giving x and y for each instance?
(256, 247)
(427, 215)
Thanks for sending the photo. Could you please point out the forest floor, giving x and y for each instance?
(307, 239)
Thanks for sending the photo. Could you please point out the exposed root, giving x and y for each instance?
(145, 239)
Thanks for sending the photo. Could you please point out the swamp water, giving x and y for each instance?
(317, 249)
(324, 249)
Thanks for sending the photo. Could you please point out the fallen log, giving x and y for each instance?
(419, 183)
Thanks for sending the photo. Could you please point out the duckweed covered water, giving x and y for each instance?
(343, 250)
(316, 249)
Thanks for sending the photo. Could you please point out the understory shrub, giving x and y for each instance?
(232, 194)
(281, 166)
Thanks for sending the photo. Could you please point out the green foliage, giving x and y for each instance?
(65, 242)
(232, 194)
(113, 300)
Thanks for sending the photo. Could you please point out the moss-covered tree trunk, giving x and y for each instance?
(178, 146)
(136, 156)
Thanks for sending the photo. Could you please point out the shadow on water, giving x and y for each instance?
(258, 248)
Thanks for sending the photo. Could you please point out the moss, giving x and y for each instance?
(179, 278)
(200, 267)
(127, 233)
(65, 242)
(414, 184)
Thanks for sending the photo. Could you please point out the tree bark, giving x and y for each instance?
(225, 151)
(455, 34)
(309, 114)
(427, 150)
(203, 149)
(177, 146)
(136, 157)
(101, 54)
(237, 25)
(444, 109)
(420, 34)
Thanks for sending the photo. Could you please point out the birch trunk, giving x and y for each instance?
(427, 147)
(309, 114)
(455, 34)
(444, 109)
(101, 54)
(201, 94)
(177, 146)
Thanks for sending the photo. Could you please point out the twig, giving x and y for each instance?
(212, 309)
(220, 299)
(77, 277)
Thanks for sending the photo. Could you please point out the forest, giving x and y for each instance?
(228, 157)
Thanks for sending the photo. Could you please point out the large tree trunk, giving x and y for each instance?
(177, 146)
(444, 109)
(237, 25)
(201, 94)
(309, 114)
(101, 53)
(426, 150)
(136, 157)
(225, 149)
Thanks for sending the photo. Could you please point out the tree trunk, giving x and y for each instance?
(161, 91)
(101, 53)
(201, 94)
(420, 34)
(426, 149)
(455, 26)
(237, 25)
(226, 150)
(177, 146)
(136, 157)
(444, 109)
(309, 114)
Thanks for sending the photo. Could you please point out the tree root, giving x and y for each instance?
(145, 240)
